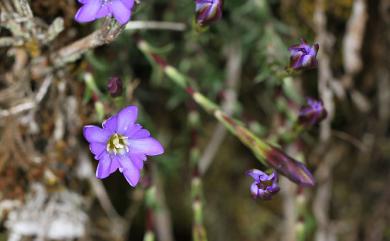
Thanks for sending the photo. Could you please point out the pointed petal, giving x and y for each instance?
(96, 134)
(125, 162)
(132, 129)
(111, 124)
(104, 11)
(131, 173)
(97, 149)
(126, 118)
(140, 134)
(104, 167)
(128, 3)
(132, 177)
(148, 146)
(256, 174)
(138, 160)
(87, 13)
(120, 11)
(114, 164)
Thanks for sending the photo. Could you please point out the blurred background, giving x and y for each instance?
(53, 80)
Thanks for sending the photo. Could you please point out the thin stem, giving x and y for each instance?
(287, 166)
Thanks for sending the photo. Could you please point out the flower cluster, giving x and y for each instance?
(264, 186)
(303, 56)
(208, 11)
(95, 9)
(121, 144)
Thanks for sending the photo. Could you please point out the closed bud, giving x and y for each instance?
(115, 86)
(292, 169)
(208, 11)
(303, 56)
(312, 113)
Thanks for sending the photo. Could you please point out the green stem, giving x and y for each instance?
(287, 166)
(198, 230)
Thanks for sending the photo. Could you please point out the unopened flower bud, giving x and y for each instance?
(312, 113)
(208, 11)
(115, 86)
(303, 56)
(294, 170)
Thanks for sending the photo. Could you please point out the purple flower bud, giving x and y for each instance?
(292, 169)
(95, 9)
(312, 113)
(303, 56)
(264, 186)
(208, 11)
(115, 86)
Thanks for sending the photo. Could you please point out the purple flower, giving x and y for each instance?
(121, 144)
(264, 186)
(208, 11)
(115, 86)
(312, 113)
(303, 56)
(95, 9)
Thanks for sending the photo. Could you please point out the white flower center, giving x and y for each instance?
(117, 144)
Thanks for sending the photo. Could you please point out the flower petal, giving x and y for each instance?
(257, 174)
(148, 146)
(114, 164)
(107, 165)
(138, 160)
(87, 13)
(306, 60)
(132, 177)
(125, 162)
(120, 11)
(132, 129)
(254, 189)
(265, 195)
(96, 134)
(274, 188)
(131, 173)
(126, 118)
(111, 124)
(97, 148)
(140, 134)
(104, 11)
(104, 167)
(128, 3)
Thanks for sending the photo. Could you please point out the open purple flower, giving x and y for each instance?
(264, 186)
(208, 11)
(303, 55)
(95, 9)
(121, 144)
(312, 113)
